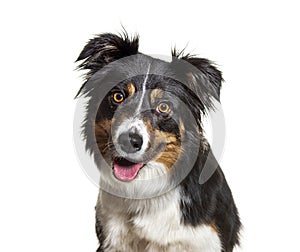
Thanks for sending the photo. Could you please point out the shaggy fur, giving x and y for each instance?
(190, 216)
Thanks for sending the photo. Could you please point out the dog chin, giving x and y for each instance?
(152, 180)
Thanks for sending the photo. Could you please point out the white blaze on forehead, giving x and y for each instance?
(143, 91)
(134, 123)
(140, 128)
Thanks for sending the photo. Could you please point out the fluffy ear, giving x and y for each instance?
(105, 48)
(203, 77)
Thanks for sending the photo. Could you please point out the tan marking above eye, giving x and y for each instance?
(131, 88)
(156, 94)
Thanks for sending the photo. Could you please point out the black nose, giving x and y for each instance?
(136, 141)
(130, 142)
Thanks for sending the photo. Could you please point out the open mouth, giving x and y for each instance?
(126, 170)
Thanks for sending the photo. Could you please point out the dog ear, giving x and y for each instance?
(102, 50)
(105, 48)
(202, 77)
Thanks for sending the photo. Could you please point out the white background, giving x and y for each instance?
(47, 202)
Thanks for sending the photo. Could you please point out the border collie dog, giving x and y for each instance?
(161, 188)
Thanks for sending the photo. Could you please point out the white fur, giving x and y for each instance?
(151, 181)
(143, 91)
(140, 127)
(151, 225)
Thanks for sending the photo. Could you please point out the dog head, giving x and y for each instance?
(144, 114)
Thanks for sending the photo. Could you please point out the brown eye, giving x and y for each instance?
(163, 108)
(118, 97)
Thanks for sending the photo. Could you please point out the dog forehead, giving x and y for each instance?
(153, 92)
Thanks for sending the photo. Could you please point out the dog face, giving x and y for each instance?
(139, 122)
(144, 114)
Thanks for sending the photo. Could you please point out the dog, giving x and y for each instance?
(143, 127)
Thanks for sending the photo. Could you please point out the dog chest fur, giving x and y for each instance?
(151, 225)
(154, 141)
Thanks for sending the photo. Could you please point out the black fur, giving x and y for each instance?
(104, 49)
(100, 235)
(210, 203)
(205, 77)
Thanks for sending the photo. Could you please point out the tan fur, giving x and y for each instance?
(214, 228)
(102, 134)
(172, 149)
(156, 94)
(131, 89)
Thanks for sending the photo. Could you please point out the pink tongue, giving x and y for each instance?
(127, 173)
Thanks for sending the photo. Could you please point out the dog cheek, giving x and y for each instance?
(102, 135)
(172, 149)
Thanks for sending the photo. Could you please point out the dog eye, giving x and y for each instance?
(118, 97)
(163, 107)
